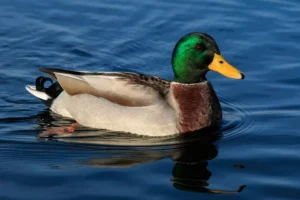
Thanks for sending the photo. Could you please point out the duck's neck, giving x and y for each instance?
(190, 79)
(197, 105)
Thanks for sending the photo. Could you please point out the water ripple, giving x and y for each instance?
(236, 121)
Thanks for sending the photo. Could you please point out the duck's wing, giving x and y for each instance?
(127, 89)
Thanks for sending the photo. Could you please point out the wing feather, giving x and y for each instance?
(127, 89)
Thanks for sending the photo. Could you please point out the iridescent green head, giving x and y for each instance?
(197, 53)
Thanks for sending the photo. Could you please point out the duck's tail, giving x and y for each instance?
(46, 95)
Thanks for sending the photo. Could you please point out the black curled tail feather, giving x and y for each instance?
(53, 90)
(40, 83)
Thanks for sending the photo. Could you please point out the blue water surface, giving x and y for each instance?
(253, 155)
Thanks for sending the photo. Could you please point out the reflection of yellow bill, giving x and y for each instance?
(220, 65)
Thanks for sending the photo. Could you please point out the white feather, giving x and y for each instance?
(38, 94)
(101, 113)
(58, 105)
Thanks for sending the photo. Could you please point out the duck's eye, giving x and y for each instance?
(199, 47)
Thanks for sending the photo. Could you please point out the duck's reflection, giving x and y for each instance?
(189, 152)
(190, 172)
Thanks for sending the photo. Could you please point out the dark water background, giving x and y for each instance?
(257, 145)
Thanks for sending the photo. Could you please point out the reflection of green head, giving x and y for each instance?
(191, 57)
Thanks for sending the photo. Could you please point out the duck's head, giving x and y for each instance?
(197, 53)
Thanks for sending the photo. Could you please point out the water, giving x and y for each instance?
(255, 153)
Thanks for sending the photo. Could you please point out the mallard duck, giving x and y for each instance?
(143, 104)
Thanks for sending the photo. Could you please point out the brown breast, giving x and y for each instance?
(197, 105)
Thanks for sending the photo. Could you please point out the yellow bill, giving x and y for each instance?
(220, 65)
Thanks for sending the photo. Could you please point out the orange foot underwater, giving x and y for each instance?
(59, 130)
